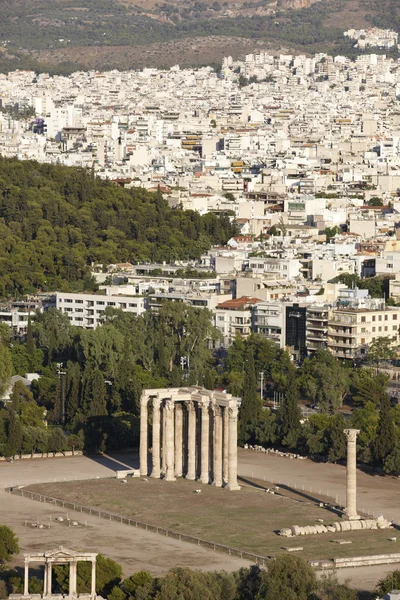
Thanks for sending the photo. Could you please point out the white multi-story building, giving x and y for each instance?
(87, 310)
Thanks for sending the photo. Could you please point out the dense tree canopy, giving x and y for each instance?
(56, 221)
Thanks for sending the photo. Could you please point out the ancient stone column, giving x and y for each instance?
(178, 440)
(156, 471)
(26, 579)
(72, 578)
(232, 452)
(217, 446)
(170, 440)
(49, 578)
(205, 440)
(143, 436)
(225, 455)
(164, 438)
(351, 475)
(191, 471)
(93, 585)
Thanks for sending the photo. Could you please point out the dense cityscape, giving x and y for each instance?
(199, 286)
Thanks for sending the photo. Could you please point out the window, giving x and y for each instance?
(100, 302)
(221, 318)
(373, 317)
(79, 310)
(389, 265)
(69, 300)
(386, 317)
(363, 319)
(394, 327)
(363, 340)
(373, 329)
(78, 318)
(394, 317)
(362, 329)
(132, 305)
(386, 327)
(379, 328)
(380, 317)
(78, 301)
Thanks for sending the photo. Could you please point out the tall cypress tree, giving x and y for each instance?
(30, 342)
(251, 402)
(289, 412)
(385, 433)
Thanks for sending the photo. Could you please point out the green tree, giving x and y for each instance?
(385, 433)
(139, 586)
(329, 378)
(5, 358)
(381, 350)
(367, 386)
(336, 438)
(391, 464)
(14, 433)
(328, 588)
(30, 342)
(251, 402)
(388, 583)
(289, 413)
(117, 594)
(8, 545)
(289, 577)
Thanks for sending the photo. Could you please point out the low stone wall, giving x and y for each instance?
(44, 455)
(356, 561)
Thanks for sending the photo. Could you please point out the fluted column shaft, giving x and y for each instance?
(225, 457)
(143, 436)
(217, 446)
(191, 471)
(232, 454)
(178, 440)
(49, 577)
(170, 440)
(205, 441)
(156, 471)
(164, 440)
(351, 474)
(72, 578)
(93, 583)
(26, 579)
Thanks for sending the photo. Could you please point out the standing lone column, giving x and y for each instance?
(169, 441)
(232, 445)
(351, 475)
(156, 471)
(143, 436)
(205, 441)
(225, 455)
(164, 440)
(191, 472)
(178, 440)
(217, 446)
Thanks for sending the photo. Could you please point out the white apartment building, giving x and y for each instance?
(351, 330)
(234, 317)
(269, 321)
(87, 310)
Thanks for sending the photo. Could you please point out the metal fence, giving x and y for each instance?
(182, 537)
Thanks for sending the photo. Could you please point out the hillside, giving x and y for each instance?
(55, 221)
(132, 33)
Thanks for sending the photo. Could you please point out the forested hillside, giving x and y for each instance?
(56, 221)
(67, 34)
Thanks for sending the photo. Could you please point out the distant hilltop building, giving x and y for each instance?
(367, 38)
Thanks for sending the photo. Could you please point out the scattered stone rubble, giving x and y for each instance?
(338, 526)
(273, 451)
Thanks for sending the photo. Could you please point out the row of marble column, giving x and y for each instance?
(195, 439)
(48, 578)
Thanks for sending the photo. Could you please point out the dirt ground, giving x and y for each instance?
(137, 549)
(246, 520)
